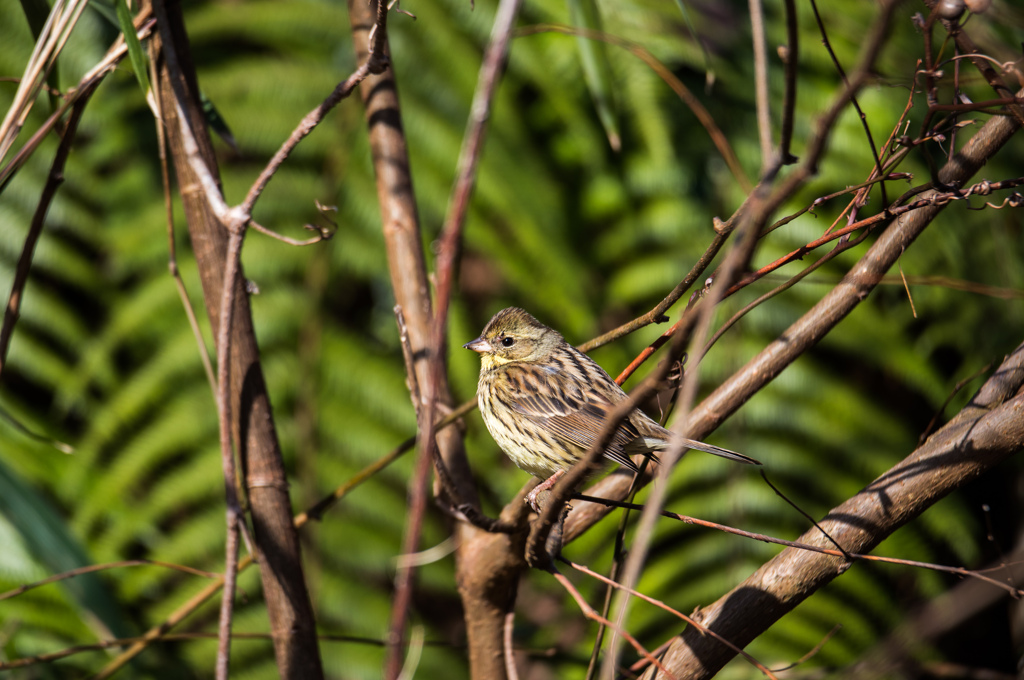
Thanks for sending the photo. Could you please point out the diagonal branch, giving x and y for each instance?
(985, 433)
(53, 182)
(820, 319)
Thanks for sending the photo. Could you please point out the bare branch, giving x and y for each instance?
(981, 436)
(764, 113)
(791, 55)
(88, 569)
(818, 321)
(663, 72)
(495, 57)
(53, 180)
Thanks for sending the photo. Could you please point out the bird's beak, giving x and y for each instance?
(480, 345)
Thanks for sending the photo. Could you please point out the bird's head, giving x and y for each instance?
(513, 335)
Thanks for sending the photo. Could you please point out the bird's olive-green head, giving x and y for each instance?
(513, 335)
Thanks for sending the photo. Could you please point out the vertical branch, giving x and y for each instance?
(493, 63)
(488, 564)
(792, 54)
(172, 249)
(293, 628)
(227, 455)
(764, 114)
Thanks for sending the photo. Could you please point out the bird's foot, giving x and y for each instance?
(531, 498)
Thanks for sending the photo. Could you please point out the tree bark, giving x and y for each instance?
(985, 433)
(292, 623)
(989, 430)
(488, 565)
(816, 323)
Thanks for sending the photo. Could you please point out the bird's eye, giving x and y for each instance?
(507, 341)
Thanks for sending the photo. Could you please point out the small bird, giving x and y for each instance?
(545, 402)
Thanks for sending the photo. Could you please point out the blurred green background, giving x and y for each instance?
(581, 235)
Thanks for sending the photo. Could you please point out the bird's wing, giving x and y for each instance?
(568, 409)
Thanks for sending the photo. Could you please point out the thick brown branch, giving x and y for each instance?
(291, 615)
(488, 565)
(821, 319)
(985, 433)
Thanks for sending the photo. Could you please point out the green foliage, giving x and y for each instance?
(584, 237)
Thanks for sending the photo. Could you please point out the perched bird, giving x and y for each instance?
(545, 402)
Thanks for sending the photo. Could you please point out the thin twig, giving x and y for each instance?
(53, 180)
(853, 99)
(322, 234)
(705, 118)
(88, 569)
(510, 658)
(410, 364)
(589, 612)
(376, 62)
(1016, 593)
(956, 390)
(657, 315)
(792, 55)
(764, 113)
(804, 514)
(611, 583)
(814, 650)
(234, 510)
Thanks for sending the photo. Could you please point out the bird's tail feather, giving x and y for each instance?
(719, 451)
(648, 444)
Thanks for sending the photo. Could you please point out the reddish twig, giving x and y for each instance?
(934, 199)
(841, 247)
(846, 555)
(661, 605)
(591, 614)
